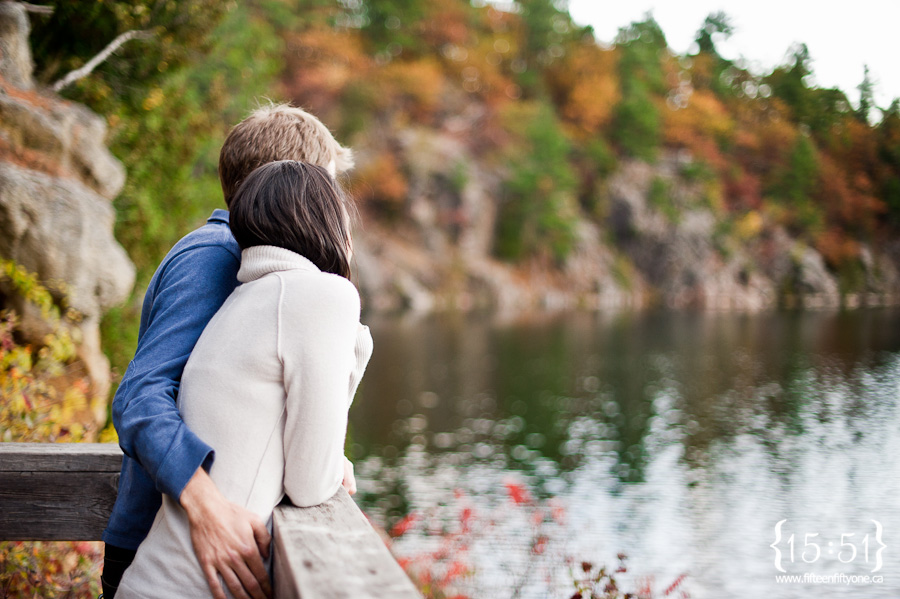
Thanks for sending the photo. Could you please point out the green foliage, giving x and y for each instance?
(643, 47)
(170, 146)
(796, 184)
(799, 178)
(78, 30)
(721, 75)
(357, 101)
(696, 171)
(826, 110)
(26, 285)
(538, 213)
(170, 143)
(715, 24)
(375, 66)
(866, 97)
(818, 109)
(851, 275)
(391, 25)
(603, 159)
(623, 271)
(594, 161)
(660, 198)
(638, 126)
(637, 129)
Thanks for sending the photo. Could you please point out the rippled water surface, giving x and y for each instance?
(678, 439)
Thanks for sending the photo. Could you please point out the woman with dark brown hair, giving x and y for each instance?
(270, 381)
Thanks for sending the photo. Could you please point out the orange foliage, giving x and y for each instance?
(702, 71)
(851, 205)
(586, 87)
(463, 77)
(703, 115)
(743, 191)
(764, 141)
(381, 181)
(413, 86)
(448, 24)
(836, 247)
(319, 65)
(488, 65)
(861, 147)
(698, 126)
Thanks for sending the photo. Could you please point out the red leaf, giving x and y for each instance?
(518, 493)
(404, 524)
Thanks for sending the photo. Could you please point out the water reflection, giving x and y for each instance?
(680, 439)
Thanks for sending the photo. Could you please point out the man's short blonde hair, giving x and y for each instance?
(278, 132)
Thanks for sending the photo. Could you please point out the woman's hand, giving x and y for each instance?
(349, 481)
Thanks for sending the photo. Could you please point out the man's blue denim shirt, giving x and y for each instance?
(161, 454)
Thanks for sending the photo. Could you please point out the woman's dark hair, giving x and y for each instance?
(298, 207)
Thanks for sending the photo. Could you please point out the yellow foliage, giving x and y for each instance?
(414, 85)
(749, 226)
(154, 99)
(41, 401)
(109, 434)
(699, 126)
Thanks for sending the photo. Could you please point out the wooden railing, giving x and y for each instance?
(65, 491)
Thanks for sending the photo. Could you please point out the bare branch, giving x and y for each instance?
(92, 63)
(36, 8)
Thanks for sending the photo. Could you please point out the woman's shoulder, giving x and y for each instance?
(319, 290)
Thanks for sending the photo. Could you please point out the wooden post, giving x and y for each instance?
(330, 551)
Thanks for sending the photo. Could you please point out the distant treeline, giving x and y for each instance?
(539, 97)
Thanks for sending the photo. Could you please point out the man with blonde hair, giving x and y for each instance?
(161, 454)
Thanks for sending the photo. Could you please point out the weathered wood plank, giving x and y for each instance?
(60, 457)
(55, 506)
(330, 551)
(57, 491)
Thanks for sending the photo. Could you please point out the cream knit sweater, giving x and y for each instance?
(268, 386)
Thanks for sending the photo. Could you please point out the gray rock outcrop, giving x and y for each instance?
(676, 248)
(57, 182)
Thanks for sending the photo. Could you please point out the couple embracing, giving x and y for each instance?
(249, 353)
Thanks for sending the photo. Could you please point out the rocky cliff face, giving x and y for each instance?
(437, 252)
(658, 241)
(57, 182)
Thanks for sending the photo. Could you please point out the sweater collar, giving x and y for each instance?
(218, 216)
(260, 260)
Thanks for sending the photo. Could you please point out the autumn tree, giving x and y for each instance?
(637, 124)
(173, 33)
(716, 25)
(866, 96)
(788, 83)
(546, 28)
(539, 210)
(393, 24)
(796, 182)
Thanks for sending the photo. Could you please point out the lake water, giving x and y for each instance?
(678, 439)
